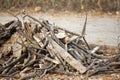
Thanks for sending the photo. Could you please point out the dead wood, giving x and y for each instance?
(43, 49)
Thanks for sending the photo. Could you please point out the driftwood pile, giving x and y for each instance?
(31, 48)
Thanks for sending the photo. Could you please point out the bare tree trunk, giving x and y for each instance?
(99, 4)
(118, 5)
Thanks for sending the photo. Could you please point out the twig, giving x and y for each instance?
(13, 62)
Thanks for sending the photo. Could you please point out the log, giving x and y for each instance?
(66, 56)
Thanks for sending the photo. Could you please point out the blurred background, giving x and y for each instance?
(62, 5)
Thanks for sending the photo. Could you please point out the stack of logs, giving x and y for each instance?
(31, 48)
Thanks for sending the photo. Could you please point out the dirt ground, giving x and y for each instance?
(101, 30)
(79, 77)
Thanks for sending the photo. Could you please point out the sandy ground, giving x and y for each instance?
(102, 30)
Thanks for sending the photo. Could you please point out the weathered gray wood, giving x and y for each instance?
(54, 48)
(66, 56)
(50, 51)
